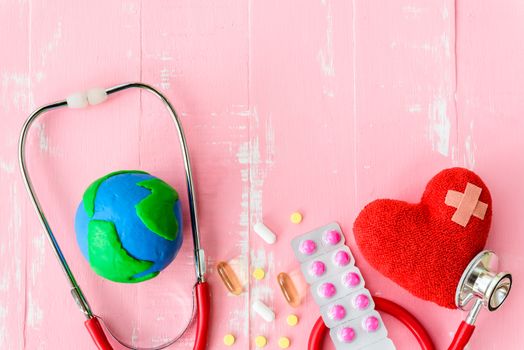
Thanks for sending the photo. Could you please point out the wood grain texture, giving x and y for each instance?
(318, 106)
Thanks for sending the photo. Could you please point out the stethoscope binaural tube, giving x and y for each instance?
(201, 288)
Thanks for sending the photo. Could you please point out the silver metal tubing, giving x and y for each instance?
(75, 288)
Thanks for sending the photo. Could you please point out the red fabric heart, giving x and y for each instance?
(418, 245)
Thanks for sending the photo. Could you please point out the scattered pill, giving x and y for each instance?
(263, 311)
(258, 273)
(296, 218)
(337, 312)
(346, 334)
(260, 341)
(371, 324)
(308, 247)
(292, 320)
(341, 258)
(317, 268)
(288, 289)
(229, 278)
(265, 233)
(361, 302)
(229, 339)
(332, 237)
(283, 342)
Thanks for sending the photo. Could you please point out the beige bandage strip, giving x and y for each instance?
(467, 204)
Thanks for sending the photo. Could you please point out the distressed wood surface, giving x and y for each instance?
(317, 106)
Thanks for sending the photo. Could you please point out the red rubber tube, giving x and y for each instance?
(97, 333)
(319, 331)
(203, 301)
(462, 336)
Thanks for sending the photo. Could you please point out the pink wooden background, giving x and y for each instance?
(319, 106)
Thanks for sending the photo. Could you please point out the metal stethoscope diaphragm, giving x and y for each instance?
(480, 286)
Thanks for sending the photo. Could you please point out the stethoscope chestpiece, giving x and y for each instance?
(481, 281)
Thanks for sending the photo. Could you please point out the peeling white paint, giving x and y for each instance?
(414, 108)
(6, 167)
(412, 12)
(470, 147)
(38, 256)
(43, 139)
(34, 313)
(52, 44)
(326, 54)
(3, 318)
(439, 125)
(14, 91)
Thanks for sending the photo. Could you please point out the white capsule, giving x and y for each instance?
(265, 233)
(96, 96)
(264, 311)
(77, 100)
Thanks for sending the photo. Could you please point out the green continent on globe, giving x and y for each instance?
(109, 259)
(90, 194)
(156, 210)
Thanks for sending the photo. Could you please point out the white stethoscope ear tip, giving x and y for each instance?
(481, 281)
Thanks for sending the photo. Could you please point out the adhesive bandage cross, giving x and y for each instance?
(467, 204)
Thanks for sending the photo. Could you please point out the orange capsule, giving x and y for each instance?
(288, 289)
(229, 278)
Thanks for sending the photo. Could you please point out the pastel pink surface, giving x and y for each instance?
(319, 106)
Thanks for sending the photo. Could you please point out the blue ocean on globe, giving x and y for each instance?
(115, 203)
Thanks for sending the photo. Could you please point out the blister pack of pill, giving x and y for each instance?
(338, 288)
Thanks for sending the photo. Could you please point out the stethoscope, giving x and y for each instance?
(480, 286)
(93, 323)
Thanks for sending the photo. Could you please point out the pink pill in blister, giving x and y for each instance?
(337, 312)
(327, 290)
(351, 279)
(361, 302)
(308, 247)
(317, 268)
(346, 334)
(371, 324)
(332, 237)
(341, 258)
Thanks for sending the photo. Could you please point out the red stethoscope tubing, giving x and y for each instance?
(462, 336)
(319, 331)
(203, 302)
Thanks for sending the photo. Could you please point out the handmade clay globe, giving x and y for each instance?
(129, 226)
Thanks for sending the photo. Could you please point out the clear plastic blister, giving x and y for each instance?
(347, 308)
(367, 329)
(327, 264)
(338, 287)
(317, 242)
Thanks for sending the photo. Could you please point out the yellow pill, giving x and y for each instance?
(292, 320)
(260, 341)
(229, 339)
(296, 218)
(259, 273)
(283, 342)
